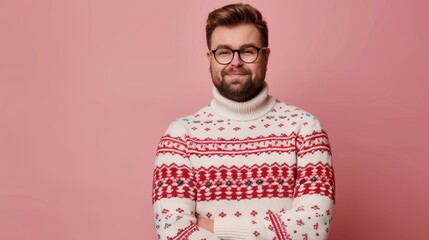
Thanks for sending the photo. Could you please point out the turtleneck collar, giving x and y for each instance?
(243, 111)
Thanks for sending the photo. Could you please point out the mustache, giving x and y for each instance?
(235, 71)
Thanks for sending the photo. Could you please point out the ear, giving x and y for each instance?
(267, 55)
(209, 56)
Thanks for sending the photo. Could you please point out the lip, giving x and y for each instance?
(236, 74)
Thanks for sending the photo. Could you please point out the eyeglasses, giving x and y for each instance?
(225, 56)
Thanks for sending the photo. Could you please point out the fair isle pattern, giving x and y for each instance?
(173, 181)
(273, 173)
(185, 233)
(278, 226)
(233, 147)
(229, 147)
(246, 182)
(172, 145)
(315, 179)
(317, 141)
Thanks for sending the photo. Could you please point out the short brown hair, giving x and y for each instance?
(235, 14)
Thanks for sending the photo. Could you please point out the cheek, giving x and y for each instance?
(217, 70)
(261, 69)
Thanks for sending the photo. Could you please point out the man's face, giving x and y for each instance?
(238, 81)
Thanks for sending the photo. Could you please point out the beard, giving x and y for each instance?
(238, 89)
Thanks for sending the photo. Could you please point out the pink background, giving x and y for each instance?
(87, 88)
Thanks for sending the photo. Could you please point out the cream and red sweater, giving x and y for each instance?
(260, 169)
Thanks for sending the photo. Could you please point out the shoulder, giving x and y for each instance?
(306, 122)
(180, 126)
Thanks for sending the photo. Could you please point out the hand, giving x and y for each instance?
(206, 223)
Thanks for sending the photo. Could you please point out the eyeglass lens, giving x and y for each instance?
(247, 55)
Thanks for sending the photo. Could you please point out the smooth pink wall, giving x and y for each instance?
(88, 87)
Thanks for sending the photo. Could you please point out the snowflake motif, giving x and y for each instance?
(254, 222)
(253, 213)
(207, 129)
(316, 226)
(221, 129)
(164, 211)
(281, 125)
(237, 214)
(305, 235)
(266, 125)
(315, 207)
(194, 128)
(300, 209)
(236, 128)
(256, 233)
(252, 127)
(179, 210)
(305, 123)
(222, 214)
(208, 215)
(293, 124)
(299, 222)
(328, 212)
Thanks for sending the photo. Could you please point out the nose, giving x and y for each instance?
(236, 61)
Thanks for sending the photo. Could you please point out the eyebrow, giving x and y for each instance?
(229, 46)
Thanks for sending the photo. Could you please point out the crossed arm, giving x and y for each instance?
(309, 216)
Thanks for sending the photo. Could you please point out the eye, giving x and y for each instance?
(223, 52)
(248, 51)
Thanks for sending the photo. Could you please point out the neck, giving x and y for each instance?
(252, 109)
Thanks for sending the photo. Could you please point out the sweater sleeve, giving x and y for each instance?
(173, 195)
(313, 197)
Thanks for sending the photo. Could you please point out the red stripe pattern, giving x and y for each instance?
(172, 145)
(278, 226)
(317, 141)
(173, 181)
(245, 182)
(244, 147)
(315, 179)
(185, 233)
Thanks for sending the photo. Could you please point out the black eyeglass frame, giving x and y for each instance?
(238, 52)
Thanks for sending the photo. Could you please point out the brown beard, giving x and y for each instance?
(248, 89)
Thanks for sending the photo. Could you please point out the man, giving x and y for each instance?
(246, 166)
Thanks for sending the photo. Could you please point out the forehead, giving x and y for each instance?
(236, 36)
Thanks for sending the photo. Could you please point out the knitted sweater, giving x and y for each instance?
(260, 169)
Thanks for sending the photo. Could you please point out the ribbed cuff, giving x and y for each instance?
(231, 228)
